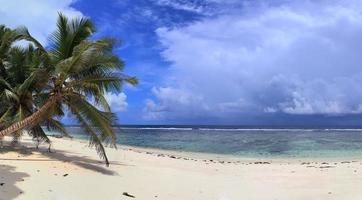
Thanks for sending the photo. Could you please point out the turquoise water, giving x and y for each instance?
(243, 142)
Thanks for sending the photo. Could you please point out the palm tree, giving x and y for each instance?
(76, 70)
(17, 89)
(16, 86)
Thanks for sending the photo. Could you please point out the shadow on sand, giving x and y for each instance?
(81, 161)
(8, 178)
(59, 155)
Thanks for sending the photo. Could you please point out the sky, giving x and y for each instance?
(243, 62)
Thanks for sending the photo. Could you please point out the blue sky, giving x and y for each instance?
(254, 62)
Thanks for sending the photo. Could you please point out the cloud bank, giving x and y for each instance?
(298, 58)
(118, 102)
(38, 15)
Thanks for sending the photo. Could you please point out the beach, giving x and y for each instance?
(74, 171)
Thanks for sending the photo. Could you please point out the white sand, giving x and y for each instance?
(31, 174)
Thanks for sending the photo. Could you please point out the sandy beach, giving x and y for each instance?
(74, 171)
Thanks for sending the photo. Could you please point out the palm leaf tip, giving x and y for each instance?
(132, 80)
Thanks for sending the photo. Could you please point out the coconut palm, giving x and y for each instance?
(16, 65)
(78, 73)
(17, 88)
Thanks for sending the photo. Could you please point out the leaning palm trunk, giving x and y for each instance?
(32, 119)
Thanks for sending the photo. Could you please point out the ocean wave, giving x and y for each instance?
(156, 128)
(243, 129)
(342, 129)
(252, 129)
(281, 129)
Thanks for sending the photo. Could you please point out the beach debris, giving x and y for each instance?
(1, 184)
(260, 162)
(65, 175)
(345, 162)
(327, 166)
(305, 163)
(128, 195)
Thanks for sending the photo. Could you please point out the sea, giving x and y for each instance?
(280, 142)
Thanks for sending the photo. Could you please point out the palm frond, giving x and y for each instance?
(69, 34)
(38, 134)
(10, 96)
(102, 101)
(4, 85)
(55, 125)
(40, 57)
(6, 116)
(94, 139)
(99, 119)
(24, 34)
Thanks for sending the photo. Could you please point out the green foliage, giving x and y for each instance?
(73, 67)
(18, 83)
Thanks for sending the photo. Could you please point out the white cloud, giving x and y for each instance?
(118, 102)
(172, 103)
(300, 57)
(180, 5)
(38, 15)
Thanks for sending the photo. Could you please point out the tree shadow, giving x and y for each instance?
(81, 161)
(21, 149)
(59, 155)
(8, 178)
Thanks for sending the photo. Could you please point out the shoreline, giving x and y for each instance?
(230, 159)
(226, 157)
(74, 171)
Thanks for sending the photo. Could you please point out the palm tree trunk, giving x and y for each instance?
(32, 119)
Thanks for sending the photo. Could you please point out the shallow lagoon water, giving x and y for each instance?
(255, 142)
